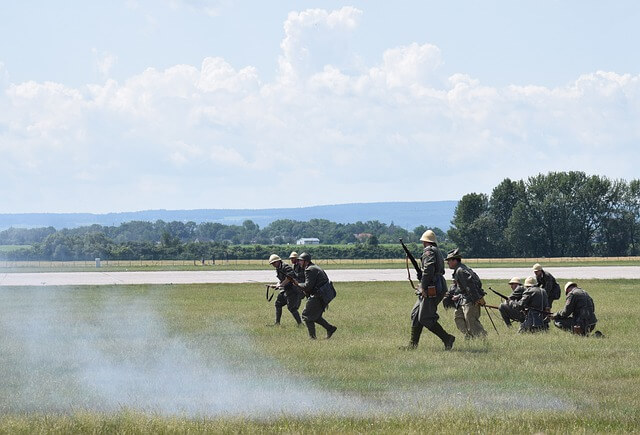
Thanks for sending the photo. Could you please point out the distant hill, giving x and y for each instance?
(407, 215)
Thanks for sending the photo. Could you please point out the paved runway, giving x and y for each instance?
(268, 276)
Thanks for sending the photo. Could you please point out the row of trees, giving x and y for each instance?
(278, 232)
(554, 215)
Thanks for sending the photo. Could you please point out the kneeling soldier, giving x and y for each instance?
(535, 303)
(317, 287)
(509, 309)
(289, 295)
(431, 290)
(468, 288)
(578, 314)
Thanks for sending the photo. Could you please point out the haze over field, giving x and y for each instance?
(179, 104)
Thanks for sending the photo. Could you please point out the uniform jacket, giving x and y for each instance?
(299, 271)
(580, 305)
(283, 272)
(432, 268)
(517, 293)
(314, 278)
(549, 284)
(468, 283)
(535, 301)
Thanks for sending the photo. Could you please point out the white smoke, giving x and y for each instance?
(93, 349)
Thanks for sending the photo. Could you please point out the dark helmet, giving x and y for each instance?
(304, 257)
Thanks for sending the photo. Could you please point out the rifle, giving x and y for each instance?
(414, 262)
(499, 294)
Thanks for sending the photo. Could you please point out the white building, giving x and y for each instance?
(308, 241)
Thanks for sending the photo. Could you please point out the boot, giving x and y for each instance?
(311, 327)
(446, 338)
(415, 338)
(278, 314)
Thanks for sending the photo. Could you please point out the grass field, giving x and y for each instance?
(187, 358)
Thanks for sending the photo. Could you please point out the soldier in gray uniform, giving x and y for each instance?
(430, 292)
(289, 294)
(297, 269)
(509, 308)
(578, 314)
(315, 286)
(547, 282)
(535, 303)
(467, 288)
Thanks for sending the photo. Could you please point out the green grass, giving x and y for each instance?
(511, 383)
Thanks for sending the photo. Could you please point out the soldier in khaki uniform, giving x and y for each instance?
(315, 284)
(430, 292)
(509, 309)
(289, 295)
(535, 304)
(466, 288)
(547, 282)
(578, 315)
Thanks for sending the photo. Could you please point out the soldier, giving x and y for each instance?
(547, 282)
(467, 290)
(535, 303)
(289, 295)
(509, 308)
(318, 288)
(430, 292)
(297, 269)
(578, 314)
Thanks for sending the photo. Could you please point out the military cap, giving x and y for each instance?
(293, 254)
(454, 254)
(531, 281)
(515, 280)
(537, 267)
(429, 236)
(568, 285)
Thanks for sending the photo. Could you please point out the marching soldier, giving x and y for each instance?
(430, 292)
(547, 282)
(578, 314)
(509, 308)
(319, 291)
(467, 289)
(535, 303)
(289, 295)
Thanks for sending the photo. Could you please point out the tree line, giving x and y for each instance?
(557, 214)
(560, 214)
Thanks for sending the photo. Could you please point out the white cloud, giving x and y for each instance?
(104, 62)
(376, 128)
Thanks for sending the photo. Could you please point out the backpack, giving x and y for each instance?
(327, 292)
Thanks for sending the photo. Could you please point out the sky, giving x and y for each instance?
(129, 105)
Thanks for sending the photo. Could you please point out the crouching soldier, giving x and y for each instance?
(509, 309)
(319, 290)
(547, 282)
(535, 304)
(467, 288)
(430, 292)
(289, 295)
(578, 315)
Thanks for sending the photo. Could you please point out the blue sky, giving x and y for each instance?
(132, 105)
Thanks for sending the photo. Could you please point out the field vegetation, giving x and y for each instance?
(185, 358)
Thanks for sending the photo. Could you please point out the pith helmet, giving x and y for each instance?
(304, 257)
(294, 254)
(515, 280)
(530, 282)
(568, 285)
(454, 254)
(429, 236)
(537, 267)
(273, 258)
